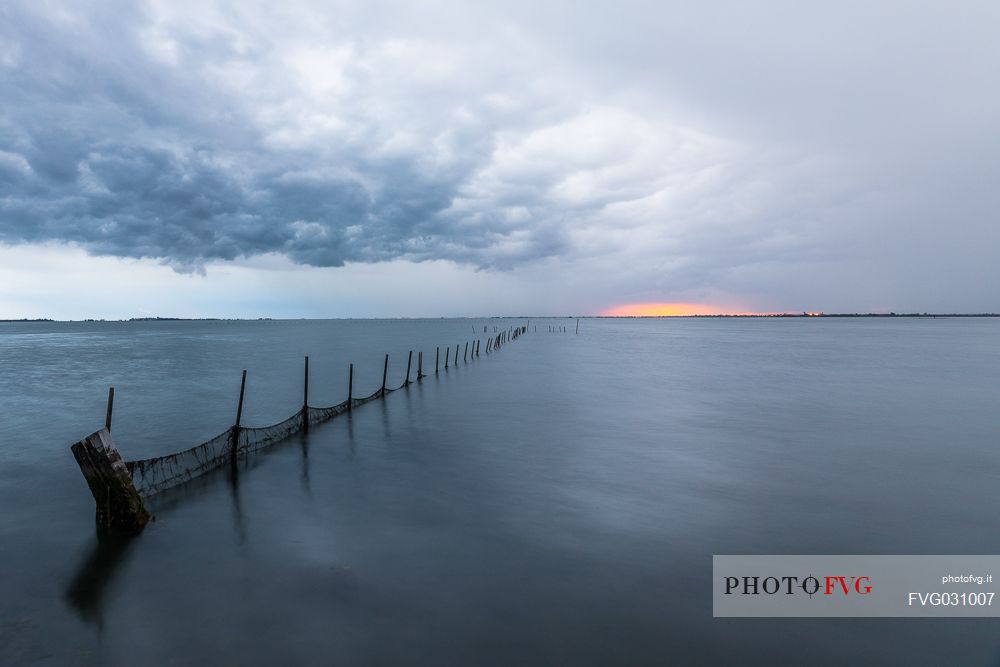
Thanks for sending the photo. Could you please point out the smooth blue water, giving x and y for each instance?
(555, 503)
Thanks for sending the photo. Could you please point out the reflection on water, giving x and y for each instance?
(96, 573)
(239, 522)
(304, 446)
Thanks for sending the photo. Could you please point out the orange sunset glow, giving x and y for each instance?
(668, 310)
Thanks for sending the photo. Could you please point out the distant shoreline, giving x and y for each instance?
(521, 317)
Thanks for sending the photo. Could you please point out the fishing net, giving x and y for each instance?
(150, 476)
(159, 473)
(256, 438)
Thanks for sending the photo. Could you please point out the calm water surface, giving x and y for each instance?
(555, 503)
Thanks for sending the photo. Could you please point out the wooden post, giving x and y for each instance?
(420, 364)
(447, 353)
(234, 435)
(578, 325)
(437, 358)
(119, 505)
(385, 373)
(239, 405)
(305, 397)
(456, 353)
(465, 354)
(409, 360)
(305, 385)
(350, 386)
(111, 407)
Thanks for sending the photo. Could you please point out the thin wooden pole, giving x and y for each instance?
(239, 406)
(456, 353)
(465, 354)
(420, 364)
(385, 373)
(578, 325)
(447, 354)
(350, 386)
(437, 358)
(234, 436)
(409, 360)
(111, 407)
(305, 396)
(305, 385)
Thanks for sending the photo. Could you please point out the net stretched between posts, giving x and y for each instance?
(159, 473)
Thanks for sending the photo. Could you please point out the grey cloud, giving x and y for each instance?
(106, 147)
(667, 149)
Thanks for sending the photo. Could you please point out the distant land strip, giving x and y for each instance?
(514, 317)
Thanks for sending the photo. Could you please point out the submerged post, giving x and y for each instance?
(578, 325)
(437, 358)
(119, 505)
(447, 353)
(350, 386)
(385, 373)
(420, 364)
(111, 407)
(409, 360)
(465, 354)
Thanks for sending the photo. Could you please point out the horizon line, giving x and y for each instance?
(488, 317)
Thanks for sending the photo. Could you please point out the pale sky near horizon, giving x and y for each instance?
(358, 159)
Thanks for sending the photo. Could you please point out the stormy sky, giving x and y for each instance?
(328, 159)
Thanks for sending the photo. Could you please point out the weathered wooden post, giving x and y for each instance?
(420, 364)
(456, 353)
(385, 373)
(437, 358)
(578, 325)
(119, 505)
(409, 360)
(465, 354)
(111, 407)
(305, 397)
(350, 386)
(447, 353)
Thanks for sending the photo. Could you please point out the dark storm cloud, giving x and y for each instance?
(104, 146)
(789, 152)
